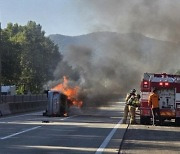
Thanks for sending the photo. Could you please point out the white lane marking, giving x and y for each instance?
(108, 138)
(69, 117)
(27, 130)
(4, 122)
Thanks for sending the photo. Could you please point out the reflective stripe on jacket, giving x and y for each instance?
(153, 100)
(133, 101)
(129, 96)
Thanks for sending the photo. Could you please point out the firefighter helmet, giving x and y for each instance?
(133, 90)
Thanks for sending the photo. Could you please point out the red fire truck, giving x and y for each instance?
(168, 87)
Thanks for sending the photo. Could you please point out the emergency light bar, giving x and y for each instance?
(164, 83)
(145, 83)
(161, 83)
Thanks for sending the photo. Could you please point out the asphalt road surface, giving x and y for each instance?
(140, 139)
(91, 131)
(88, 131)
(148, 139)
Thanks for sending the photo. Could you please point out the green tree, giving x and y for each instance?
(29, 58)
(10, 59)
(39, 58)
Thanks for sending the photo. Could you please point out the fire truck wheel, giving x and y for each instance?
(177, 121)
(145, 120)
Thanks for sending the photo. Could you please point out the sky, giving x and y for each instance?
(55, 16)
(153, 18)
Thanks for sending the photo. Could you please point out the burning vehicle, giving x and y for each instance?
(57, 104)
(61, 98)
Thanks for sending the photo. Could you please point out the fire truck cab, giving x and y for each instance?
(168, 87)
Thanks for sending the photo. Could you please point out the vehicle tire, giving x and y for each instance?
(145, 120)
(177, 121)
(142, 120)
(148, 120)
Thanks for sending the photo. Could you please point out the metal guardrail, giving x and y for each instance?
(23, 98)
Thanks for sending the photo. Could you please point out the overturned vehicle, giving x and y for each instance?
(57, 105)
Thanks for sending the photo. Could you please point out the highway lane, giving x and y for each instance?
(89, 131)
(147, 139)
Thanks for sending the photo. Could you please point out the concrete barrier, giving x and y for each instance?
(20, 107)
(4, 108)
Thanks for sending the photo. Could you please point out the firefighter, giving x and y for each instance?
(126, 108)
(133, 103)
(153, 102)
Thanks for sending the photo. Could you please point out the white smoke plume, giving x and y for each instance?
(156, 18)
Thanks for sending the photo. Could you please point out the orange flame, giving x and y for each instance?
(70, 92)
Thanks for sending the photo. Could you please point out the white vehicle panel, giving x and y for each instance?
(167, 98)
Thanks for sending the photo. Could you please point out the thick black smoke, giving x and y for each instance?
(113, 63)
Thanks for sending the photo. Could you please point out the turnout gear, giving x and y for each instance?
(132, 113)
(126, 111)
(126, 108)
(132, 101)
(133, 93)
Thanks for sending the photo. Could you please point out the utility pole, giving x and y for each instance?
(0, 60)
